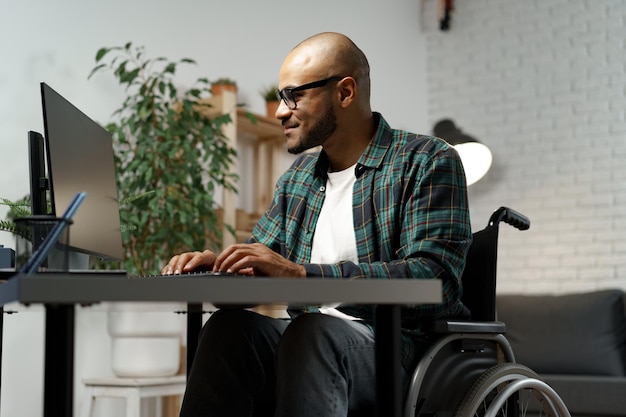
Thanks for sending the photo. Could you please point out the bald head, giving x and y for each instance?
(330, 54)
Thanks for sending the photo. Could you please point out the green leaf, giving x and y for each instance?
(171, 68)
(121, 70)
(129, 77)
(94, 70)
(251, 117)
(101, 53)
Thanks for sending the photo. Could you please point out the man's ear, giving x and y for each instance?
(347, 91)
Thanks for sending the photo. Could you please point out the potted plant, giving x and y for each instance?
(166, 146)
(271, 101)
(17, 209)
(223, 84)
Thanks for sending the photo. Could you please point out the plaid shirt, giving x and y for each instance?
(410, 211)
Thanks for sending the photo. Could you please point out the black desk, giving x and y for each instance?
(61, 292)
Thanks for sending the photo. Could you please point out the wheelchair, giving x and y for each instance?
(470, 368)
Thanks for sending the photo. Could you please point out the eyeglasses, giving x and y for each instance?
(286, 94)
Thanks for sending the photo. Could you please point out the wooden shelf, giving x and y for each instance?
(265, 138)
(262, 129)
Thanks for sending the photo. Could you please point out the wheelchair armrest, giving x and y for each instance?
(466, 326)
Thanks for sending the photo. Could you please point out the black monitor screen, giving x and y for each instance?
(80, 158)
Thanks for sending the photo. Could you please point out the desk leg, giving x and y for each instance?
(1, 340)
(194, 324)
(59, 361)
(388, 352)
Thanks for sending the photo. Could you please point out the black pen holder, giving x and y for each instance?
(31, 233)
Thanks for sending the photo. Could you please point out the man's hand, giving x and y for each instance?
(262, 260)
(189, 261)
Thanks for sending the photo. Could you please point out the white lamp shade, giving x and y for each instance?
(475, 156)
(476, 159)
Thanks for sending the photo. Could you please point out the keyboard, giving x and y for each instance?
(197, 274)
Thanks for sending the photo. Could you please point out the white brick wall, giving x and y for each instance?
(543, 84)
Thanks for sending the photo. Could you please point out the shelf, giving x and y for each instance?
(263, 129)
(265, 137)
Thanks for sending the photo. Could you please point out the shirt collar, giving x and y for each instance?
(371, 158)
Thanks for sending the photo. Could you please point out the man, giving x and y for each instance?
(374, 203)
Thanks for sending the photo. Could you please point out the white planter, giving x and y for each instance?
(144, 357)
(145, 338)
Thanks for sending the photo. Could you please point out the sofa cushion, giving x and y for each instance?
(590, 395)
(578, 334)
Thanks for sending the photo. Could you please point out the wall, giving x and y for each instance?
(542, 83)
(56, 42)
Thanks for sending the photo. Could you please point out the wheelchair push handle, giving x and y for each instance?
(509, 216)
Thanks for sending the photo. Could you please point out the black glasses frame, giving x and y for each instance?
(286, 94)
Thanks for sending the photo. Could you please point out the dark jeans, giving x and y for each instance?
(252, 365)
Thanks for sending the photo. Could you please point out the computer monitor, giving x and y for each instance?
(39, 185)
(79, 155)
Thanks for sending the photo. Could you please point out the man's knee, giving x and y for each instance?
(230, 318)
(320, 331)
(306, 329)
(230, 325)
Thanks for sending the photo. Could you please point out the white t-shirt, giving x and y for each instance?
(334, 238)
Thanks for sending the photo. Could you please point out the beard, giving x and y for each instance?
(321, 130)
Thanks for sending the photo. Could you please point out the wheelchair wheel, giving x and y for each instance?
(511, 390)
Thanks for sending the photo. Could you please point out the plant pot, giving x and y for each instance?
(145, 357)
(145, 338)
(218, 89)
(271, 107)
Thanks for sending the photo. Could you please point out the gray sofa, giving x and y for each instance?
(576, 343)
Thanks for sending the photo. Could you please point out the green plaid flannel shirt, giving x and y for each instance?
(411, 219)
